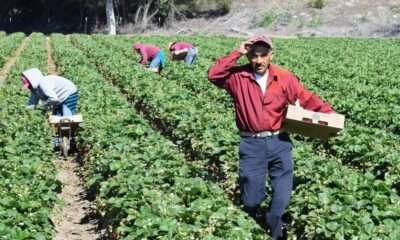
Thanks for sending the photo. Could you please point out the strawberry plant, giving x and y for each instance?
(180, 111)
(27, 175)
(144, 186)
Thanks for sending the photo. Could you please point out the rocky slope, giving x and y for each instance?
(360, 18)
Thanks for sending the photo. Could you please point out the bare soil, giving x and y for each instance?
(354, 18)
(11, 61)
(72, 219)
(51, 66)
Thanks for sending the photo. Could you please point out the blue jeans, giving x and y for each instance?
(68, 107)
(158, 61)
(191, 56)
(259, 157)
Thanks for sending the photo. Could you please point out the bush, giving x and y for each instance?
(225, 5)
(267, 19)
(317, 3)
(204, 7)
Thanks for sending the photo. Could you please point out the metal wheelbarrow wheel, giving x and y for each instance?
(65, 145)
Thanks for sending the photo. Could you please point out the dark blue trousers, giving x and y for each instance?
(259, 157)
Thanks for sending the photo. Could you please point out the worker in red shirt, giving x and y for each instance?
(183, 51)
(261, 92)
(150, 53)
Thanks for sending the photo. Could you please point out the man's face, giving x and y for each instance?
(25, 83)
(260, 57)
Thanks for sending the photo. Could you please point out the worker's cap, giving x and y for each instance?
(260, 38)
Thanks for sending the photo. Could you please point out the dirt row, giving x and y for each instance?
(72, 217)
(11, 61)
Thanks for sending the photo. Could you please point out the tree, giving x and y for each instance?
(111, 25)
(143, 13)
(88, 15)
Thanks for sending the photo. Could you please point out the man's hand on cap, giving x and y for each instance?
(244, 46)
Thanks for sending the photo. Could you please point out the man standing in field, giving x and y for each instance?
(261, 92)
(152, 54)
(183, 51)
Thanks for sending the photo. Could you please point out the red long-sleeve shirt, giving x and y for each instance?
(147, 52)
(256, 112)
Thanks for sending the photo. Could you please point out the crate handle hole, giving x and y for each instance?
(308, 120)
(323, 123)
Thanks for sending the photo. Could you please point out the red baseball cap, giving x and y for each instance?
(260, 38)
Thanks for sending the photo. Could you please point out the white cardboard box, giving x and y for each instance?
(313, 124)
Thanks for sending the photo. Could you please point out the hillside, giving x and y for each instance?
(297, 18)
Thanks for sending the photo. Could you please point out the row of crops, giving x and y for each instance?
(145, 187)
(28, 183)
(371, 149)
(8, 44)
(196, 119)
(161, 151)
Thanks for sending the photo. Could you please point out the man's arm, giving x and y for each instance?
(220, 71)
(33, 100)
(143, 56)
(51, 94)
(308, 100)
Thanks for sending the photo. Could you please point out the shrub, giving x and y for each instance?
(317, 3)
(267, 19)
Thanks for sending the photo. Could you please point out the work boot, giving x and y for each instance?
(252, 211)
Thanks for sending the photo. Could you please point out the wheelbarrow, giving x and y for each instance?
(65, 129)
